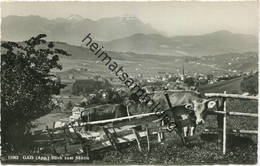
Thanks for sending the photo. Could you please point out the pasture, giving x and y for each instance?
(204, 148)
(231, 86)
(241, 148)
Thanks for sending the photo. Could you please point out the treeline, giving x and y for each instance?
(250, 84)
(87, 86)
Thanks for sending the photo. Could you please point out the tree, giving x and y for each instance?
(210, 76)
(190, 81)
(27, 86)
(69, 105)
(88, 86)
(173, 79)
(250, 84)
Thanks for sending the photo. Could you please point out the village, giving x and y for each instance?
(137, 83)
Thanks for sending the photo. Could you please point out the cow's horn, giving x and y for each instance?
(188, 106)
(211, 104)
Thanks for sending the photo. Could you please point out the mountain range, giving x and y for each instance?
(201, 45)
(73, 28)
(126, 34)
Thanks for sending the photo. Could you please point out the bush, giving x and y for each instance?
(250, 84)
(88, 86)
(190, 81)
(69, 105)
(27, 87)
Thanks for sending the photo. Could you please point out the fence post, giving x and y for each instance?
(224, 127)
(137, 138)
(148, 139)
(220, 107)
(111, 138)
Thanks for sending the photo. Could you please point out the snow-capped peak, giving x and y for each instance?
(74, 17)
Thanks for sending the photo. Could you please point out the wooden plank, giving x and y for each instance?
(49, 140)
(160, 91)
(139, 121)
(111, 139)
(137, 138)
(159, 134)
(220, 115)
(235, 113)
(148, 138)
(232, 131)
(225, 127)
(122, 139)
(118, 119)
(127, 110)
(216, 112)
(245, 131)
(242, 114)
(235, 96)
(123, 128)
(128, 127)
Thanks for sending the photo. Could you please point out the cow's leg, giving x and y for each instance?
(192, 130)
(185, 131)
(179, 131)
(160, 133)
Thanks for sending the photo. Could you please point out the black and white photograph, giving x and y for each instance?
(129, 83)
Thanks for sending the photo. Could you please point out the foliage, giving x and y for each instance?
(210, 76)
(190, 81)
(250, 84)
(27, 86)
(69, 105)
(88, 86)
(173, 79)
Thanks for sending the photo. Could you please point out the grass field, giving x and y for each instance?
(172, 152)
(241, 149)
(230, 86)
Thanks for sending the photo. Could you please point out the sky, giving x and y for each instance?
(174, 18)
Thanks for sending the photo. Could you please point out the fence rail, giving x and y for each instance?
(130, 122)
(236, 113)
(222, 116)
(232, 131)
(118, 119)
(234, 96)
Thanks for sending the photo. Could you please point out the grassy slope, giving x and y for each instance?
(231, 86)
(240, 149)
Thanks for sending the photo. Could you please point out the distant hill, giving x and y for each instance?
(233, 62)
(245, 62)
(85, 64)
(231, 86)
(200, 45)
(72, 29)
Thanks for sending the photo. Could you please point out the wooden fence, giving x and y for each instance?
(222, 116)
(116, 131)
(111, 127)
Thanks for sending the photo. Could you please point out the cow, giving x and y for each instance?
(196, 101)
(182, 119)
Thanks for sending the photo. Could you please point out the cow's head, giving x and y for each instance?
(200, 108)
